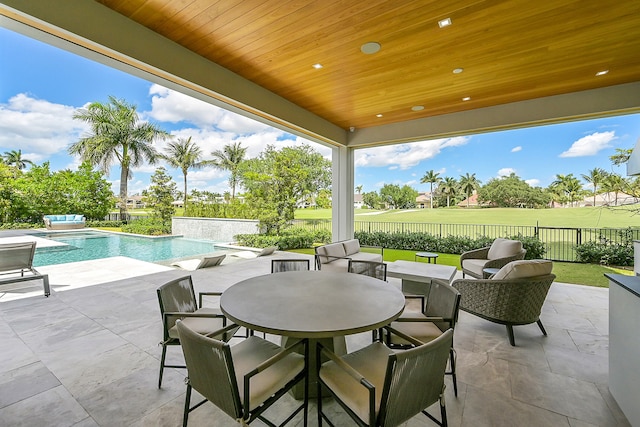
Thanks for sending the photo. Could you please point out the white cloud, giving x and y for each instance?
(590, 145)
(41, 127)
(533, 182)
(506, 172)
(405, 156)
(516, 149)
(170, 106)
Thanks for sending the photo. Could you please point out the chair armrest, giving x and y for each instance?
(223, 331)
(332, 257)
(353, 373)
(404, 336)
(381, 248)
(276, 358)
(476, 253)
(201, 294)
(501, 262)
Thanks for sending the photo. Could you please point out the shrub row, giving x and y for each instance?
(291, 238)
(109, 224)
(147, 226)
(605, 253)
(448, 245)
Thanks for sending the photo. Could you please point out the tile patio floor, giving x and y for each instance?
(88, 356)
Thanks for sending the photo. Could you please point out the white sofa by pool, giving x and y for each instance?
(335, 256)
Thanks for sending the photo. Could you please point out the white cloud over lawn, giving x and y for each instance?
(405, 156)
(506, 172)
(590, 145)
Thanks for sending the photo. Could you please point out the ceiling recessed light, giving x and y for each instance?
(317, 66)
(466, 98)
(444, 22)
(417, 108)
(378, 115)
(458, 70)
(602, 73)
(370, 48)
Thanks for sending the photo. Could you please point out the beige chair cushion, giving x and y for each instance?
(502, 248)
(253, 351)
(334, 251)
(202, 325)
(422, 331)
(475, 265)
(371, 362)
(523, 269)
(351, 246)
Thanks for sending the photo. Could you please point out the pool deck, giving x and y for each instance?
(88, 355)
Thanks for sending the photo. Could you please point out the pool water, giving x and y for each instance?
(89, 245)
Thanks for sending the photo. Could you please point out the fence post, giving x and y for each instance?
(579, 236)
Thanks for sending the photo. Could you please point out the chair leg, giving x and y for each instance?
(443, 413)
(164, 355)
(512, 340)
(452, 361)
(187, 402)
(539, 322)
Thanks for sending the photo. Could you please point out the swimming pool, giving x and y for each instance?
(88, 245)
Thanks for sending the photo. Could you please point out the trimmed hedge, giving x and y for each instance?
(605, 253)
(447, 245)
(291, 238)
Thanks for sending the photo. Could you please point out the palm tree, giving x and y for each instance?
(359, 189)
(431, 177)
(595, 177)
(449, 186)
(185, 155)
(469, 183)
(229, 159)
(14, 158)
(117, 135)
(616, 184)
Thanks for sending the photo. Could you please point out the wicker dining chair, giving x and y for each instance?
(378, 386)
(374, 269)
(177, 300)
(440, 308)
(282, 265)
(245, 379)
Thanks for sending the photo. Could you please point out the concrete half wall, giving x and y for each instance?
(216, 229)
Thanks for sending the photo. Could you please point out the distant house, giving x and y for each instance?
(610, 199)
(134, 202)
(357, 201)
(423, 200)
(473, 202)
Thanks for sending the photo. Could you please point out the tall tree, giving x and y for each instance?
(595, 177)
(468, 184)
(622, 156)
(278, 179)
(229, 159)
(359, 189)
(431, 177)
(615, 184)
(161, 195)
(448, 187)
(14, 158)
(185, 155)
(117, 136)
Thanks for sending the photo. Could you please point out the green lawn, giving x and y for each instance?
(588, 217)
(566, 272)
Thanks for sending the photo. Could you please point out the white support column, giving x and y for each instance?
(342, 193)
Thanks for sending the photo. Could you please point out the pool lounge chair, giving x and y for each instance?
(251, 254)
(198, 263)
(16, 259)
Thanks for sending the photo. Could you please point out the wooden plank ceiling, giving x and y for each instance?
(510, 50)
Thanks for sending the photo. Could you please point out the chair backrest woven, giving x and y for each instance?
(210, 369)
(374, 269)
(177, 296)
(443, 301)
(281, 265)
(414, 380)
(17, 256)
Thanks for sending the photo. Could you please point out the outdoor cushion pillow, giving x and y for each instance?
(70, 217)
(502, 248)
(79, 218)
(523, 269)
(351, 246)
(334, 251)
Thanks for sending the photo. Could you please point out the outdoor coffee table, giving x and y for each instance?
(417, 276)
(319, 305)
(428, 255)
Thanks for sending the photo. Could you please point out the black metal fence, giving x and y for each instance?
(560, 242)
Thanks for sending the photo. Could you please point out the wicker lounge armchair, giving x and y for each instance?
(375, 269)
(513, 296)
(500, 253)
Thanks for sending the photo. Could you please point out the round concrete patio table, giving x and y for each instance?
(312, 304)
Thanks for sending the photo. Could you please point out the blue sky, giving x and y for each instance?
(41, 86)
